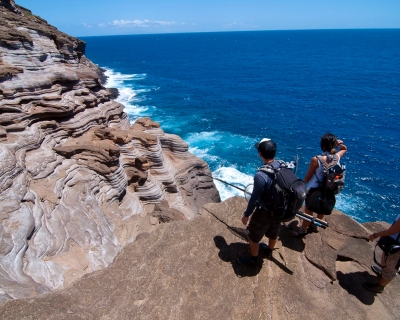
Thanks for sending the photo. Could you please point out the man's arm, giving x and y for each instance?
(259, 184)
(394, 228)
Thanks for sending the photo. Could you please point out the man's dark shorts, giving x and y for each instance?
(262, 224)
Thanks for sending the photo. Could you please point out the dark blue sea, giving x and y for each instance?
(222, 92)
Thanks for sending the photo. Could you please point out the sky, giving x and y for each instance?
(81, 18)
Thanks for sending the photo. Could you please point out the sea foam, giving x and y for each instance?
(129, 96)
(233, 177)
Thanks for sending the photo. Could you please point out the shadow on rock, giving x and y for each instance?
(287, 240)
(230, 252)
(277, 262)
(352, 283)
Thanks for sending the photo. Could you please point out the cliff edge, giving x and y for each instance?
(188, 270)
(77, 180)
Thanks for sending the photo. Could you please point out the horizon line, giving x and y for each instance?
(261, 30)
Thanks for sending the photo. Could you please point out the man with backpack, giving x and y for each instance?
(263, 222)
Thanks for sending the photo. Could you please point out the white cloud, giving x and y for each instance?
(87, 25)
(141, 23)
(236, 25)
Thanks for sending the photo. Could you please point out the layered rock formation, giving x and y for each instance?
(77, 180)
(80, 185)
(188, 270)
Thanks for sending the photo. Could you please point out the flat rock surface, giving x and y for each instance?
(188, 270)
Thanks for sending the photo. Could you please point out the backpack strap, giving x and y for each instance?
(268, 168)
(376, 261)
(398, 236)
(332, 161)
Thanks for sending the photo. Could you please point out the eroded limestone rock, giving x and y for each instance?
(77, 181)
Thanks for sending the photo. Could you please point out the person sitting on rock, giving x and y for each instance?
(315, 174)
(391, 265)
(261, 222)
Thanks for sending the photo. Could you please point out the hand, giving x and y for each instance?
(339, 142)
(245, 220)
(371, 237)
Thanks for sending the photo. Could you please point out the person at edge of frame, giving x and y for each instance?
(261, 222)
(390, 264)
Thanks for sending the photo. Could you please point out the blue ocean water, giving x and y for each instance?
(222, 92)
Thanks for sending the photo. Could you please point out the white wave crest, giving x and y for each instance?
(128, 95)
(116, 79)
(233, 177)
(209, 136)
(135, 110)
(203, 154)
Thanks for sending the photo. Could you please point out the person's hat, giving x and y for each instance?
(267, 147)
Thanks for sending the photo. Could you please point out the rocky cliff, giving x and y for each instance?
(84, 196)
(188, 270)
(77, 180)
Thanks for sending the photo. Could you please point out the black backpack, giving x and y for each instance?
(334, 173)
(288, 192)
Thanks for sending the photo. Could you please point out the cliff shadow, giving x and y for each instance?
(352, 283)
(230, 252)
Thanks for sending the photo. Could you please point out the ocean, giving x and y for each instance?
(224, 91)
